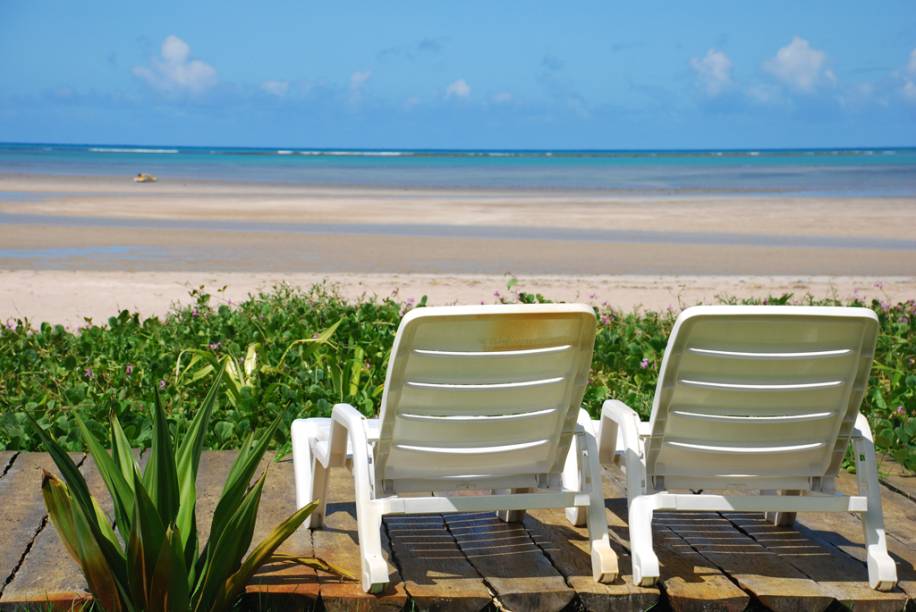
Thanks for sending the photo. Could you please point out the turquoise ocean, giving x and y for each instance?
(869, 172)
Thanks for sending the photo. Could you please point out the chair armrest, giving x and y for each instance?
(347, 425)
(862, 429)
(618, 423)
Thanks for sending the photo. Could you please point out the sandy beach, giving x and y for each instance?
(87, 246)
(67, 297)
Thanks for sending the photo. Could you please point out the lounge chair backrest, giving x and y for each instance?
(758, 396)
(475, 394)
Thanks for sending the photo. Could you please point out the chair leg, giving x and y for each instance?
(572, 481)
(882, 572)
(781, 519)
(511, 516)
(349, 424)
(374, 569)
(645, 563)
(310, 474)
(605, 566)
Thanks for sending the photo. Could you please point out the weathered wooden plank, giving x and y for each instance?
(899, 510)
(771, 580)
(23, 515)
(5, 458)
(691, 582)
(211, 476)
(844, 532)
(436, 574)
(337, 543)
(48, 573)
(569, 550)
(897, 478)
(281, 585)
(838, 574)
(514, 567)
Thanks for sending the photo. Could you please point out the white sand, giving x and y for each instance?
(66, 297)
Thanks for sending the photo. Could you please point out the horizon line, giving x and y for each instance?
(459, 149)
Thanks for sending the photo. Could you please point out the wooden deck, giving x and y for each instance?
(710, 561)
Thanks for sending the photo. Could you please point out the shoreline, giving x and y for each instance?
(68, 297)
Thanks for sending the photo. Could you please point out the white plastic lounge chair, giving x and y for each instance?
(476, 398)
(753, 397)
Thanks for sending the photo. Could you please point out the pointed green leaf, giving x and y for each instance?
(79, 492)
(161, 477)
(168, 585)
(121, 451)
(120, 491)
(240, 475)
(188, 463)
(145, 541)
(251, 361)
(59, 506)
(225, 556)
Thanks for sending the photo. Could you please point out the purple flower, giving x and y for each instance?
(195, 312)
(88, 373)
(230, 302)
(214, 346)
(129, 369)
(410, 301)
(605, 320)
(766, 301)
(10, 324)
(879, 285)
(162, 385)
(644, 363)
(593, 296)
(885, 306)
(901, 411)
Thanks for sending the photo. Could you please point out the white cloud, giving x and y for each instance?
(276, 88)
(358, 79)
(458, 89)
(411, 102)
(909, 91)
(175, 72)
(800, 66)
(503, 97)
(714, 72)
(909, 80)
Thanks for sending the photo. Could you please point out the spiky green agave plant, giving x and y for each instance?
(156, 563)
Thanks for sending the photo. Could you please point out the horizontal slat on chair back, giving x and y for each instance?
(488, 391)
(761, 391)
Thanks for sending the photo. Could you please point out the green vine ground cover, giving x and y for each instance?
(295, 353)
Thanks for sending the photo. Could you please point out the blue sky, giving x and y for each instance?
(460, 74)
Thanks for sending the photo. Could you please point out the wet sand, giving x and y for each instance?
(132, 243)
